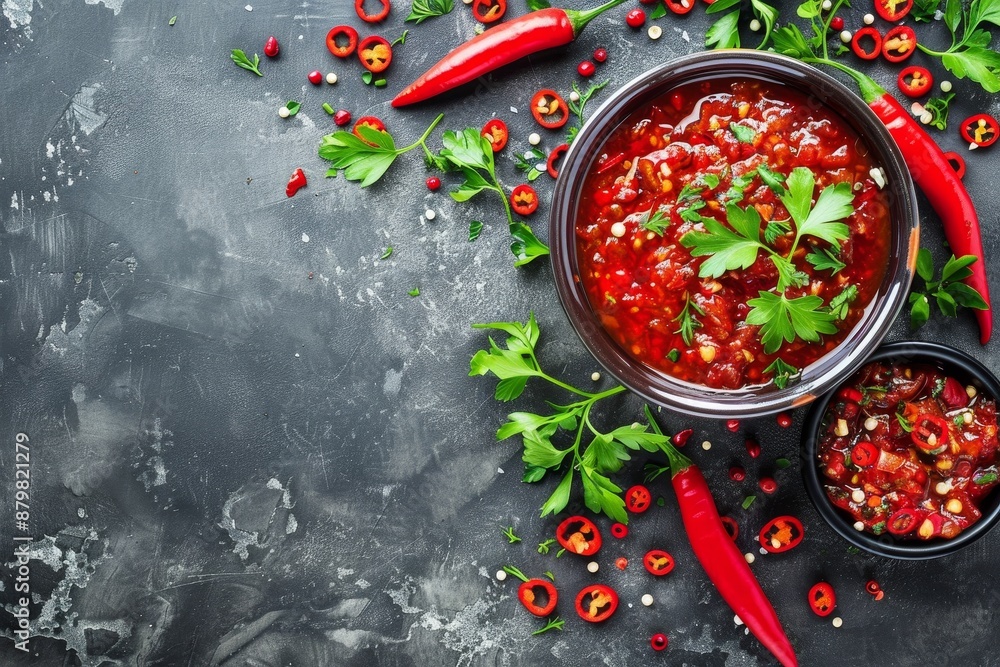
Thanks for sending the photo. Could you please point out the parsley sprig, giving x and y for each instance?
(781, 318)
(576, 108)
(421, 10)
(724, 33)
(470, 153)
(367, 157)
(565, 441)
(969, 55)
(948, 291)
(242, 60)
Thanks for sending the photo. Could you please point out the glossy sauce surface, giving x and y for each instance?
(681, 150)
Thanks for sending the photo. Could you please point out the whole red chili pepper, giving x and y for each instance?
(515, 39)
(721, 558)
(937, 179)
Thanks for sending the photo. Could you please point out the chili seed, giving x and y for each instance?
(967, 417)
(331, 78)
(433, 183)
(954, 506)
(501, 575)
(315, 77)
(737, 474)
(733, 425)
(586, 68)
(837, 23)
(430, 214)
(654, 32)
(342, 117)
(658, 641)
(749, 558)
(737, 621)
(837, 621)
(706, 445)
(970, 391)
(573, 97)
(593, 567)
(784, 419)
(767, 485)
(600, 55)
(647, 600)
(595, 376)
(945, 86)
(635, 18)
(753, 448)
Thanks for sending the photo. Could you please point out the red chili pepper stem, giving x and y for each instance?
(936, 177)
(719, 556)
(515, 39)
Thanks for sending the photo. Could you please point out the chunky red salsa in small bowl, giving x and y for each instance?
(903, 456)
(732, 233)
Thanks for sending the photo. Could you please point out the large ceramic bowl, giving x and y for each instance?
(816, 378)
(954, 363)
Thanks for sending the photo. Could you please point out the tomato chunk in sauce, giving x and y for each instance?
(909, 450)
(681, 161)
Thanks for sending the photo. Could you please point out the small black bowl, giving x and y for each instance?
(957, 364)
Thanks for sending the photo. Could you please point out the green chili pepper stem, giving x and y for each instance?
(678, 462)
(579, 19)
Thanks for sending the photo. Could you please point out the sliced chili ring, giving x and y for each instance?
(822, 599)
(335, 39)
(552, 164)
(903, 522)
(369, 122)
(915, 81)
(638, 499)
(868, 32)
(578, 534)
(524, 199)
(549, 109)
(864, 454)
(980, 130)
(496, 133)
(538, 596)
(619, 530)
(781, 534)
(893, 10)
(733, 528)
(679, 6)
(359, 7)
(375, 54)
(596, 603)
(899, 44)
(489, 11)
(658, 562)
(930, 433)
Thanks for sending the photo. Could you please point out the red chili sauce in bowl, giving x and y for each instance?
(684, 231)
(907, 449)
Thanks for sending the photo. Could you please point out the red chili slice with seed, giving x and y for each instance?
(930, 433)
(596, 603)
(893, 10)
(375, 54)
(379, 15)
(524, 200)
(915, 81)
(638, 499)
(342, 40)
(489, 11)
(578, 534)
(822, 599)
(679, 6)
(549, 109)
(658, 562)
(369, 122)
(781, 534)
(496, 133)
(899, 44)
(538, 596)
(979, 130)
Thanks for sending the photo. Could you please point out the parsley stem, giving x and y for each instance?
(422, 140)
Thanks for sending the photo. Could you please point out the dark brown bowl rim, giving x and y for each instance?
(950, 359)
(816, 379)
